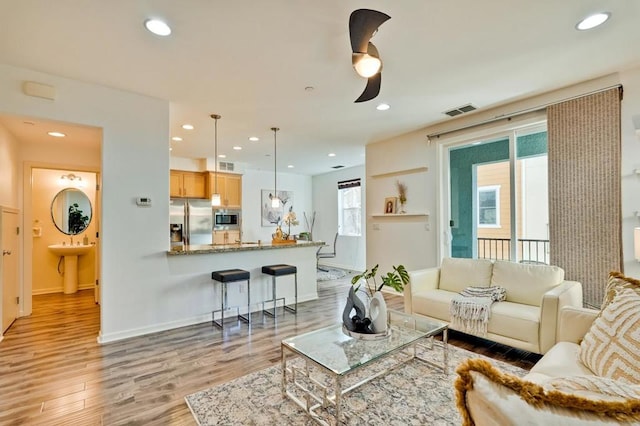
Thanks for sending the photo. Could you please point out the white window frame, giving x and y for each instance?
(341, 213)
(488, 188)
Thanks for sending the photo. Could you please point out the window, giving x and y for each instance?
(488, 206)
(350, 208)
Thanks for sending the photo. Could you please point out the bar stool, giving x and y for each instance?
(279, 271)
(231, 276)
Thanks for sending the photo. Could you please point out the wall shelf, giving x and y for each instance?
(400, 172)
(400, 214)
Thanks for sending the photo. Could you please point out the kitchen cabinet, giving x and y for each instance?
(226, 237)
(229, 188)
(188, 184)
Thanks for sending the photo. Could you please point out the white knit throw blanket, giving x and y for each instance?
(471, 309)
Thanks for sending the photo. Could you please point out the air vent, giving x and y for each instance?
(226, 166)
(460, 110)
(337, 167)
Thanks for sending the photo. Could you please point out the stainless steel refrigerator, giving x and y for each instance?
(190, 222)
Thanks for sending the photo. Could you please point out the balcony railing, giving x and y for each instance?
(528, 250)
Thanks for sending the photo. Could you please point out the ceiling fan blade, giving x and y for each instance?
(362, 24)
(372, 89)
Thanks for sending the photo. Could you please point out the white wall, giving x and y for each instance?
(253, 182)
(135, 162)
(9, 163)
(406, 240)
(630, 161)
(350, 251)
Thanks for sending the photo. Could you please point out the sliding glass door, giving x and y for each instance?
(498, 197)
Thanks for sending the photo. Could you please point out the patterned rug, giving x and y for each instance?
(331, 274)
(414, 394)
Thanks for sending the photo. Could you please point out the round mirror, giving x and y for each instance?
(71, 211)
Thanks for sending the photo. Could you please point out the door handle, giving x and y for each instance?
(6, 252)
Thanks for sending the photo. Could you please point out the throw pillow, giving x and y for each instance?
(611, 347)
(535, 395)
(616, 282)
(595, 387)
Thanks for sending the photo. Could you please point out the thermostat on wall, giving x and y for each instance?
(143, 201)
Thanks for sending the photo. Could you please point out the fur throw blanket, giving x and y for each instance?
(470, 310)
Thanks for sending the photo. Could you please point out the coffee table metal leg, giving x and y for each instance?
(445, 350)
(338, 390)
(283, 361)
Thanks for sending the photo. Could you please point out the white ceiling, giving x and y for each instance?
(250, 61)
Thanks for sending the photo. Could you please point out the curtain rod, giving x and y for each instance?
(523, 111)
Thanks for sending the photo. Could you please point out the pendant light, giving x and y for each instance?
(215, 197)
(275, 201)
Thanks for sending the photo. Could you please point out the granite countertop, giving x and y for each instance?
(246, 246)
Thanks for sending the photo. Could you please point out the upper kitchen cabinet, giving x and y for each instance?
(229, 187)
(188, 184)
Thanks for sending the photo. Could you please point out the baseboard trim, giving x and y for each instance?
(156, 328)
(60, 289)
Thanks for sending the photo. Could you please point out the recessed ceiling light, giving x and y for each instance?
(331, 154)
(187, 126)
(290, 166)
(157, 27)
(176, 138)
(56, 134)
(383, 107)
(593, 21)
(222, 156)
(237, 148)
(254, 139)
(170, 149)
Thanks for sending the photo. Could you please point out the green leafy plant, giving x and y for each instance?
(395, 279)
(77, 220)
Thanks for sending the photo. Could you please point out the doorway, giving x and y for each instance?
(498, 205)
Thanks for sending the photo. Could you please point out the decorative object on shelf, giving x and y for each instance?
(290, 219)
(375, 318)
(402, 195)
(215, 197)
(390, 205)
(309, 224)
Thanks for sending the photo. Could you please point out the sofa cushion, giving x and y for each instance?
(611, 347)
(526, 283)
(616, 282)
(456, 274)
(516, 321)
(560, 360)
(433, 303)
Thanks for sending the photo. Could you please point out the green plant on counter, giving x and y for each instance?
(396, 279)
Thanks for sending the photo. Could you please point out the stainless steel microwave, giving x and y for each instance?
(226, 219)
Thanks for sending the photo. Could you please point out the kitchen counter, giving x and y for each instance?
(246, 246)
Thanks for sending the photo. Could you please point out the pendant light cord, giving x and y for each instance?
(215, 164)
(275, 164)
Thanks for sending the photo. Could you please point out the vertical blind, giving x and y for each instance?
(584, 189)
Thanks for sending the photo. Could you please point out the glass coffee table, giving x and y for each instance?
(337, 355)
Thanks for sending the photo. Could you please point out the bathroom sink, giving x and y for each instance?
(69, 250)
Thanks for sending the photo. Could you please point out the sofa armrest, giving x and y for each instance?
(568, 293)
(575, 322)
(419, 280)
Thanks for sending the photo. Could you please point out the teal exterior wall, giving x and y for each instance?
(461, 162)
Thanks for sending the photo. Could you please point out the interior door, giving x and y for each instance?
(9, 266)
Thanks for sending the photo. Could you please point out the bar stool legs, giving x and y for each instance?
(225, 277)
(277, 271)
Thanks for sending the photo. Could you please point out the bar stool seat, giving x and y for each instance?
(230, 276)
(279, 271)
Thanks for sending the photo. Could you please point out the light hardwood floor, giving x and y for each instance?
(53, 372)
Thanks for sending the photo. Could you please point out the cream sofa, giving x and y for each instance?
(487, 397)
(528, 319)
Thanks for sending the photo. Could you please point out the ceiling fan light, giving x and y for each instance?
(367, 65)
(215, 200)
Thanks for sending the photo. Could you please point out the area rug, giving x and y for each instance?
(414, 394)
(331, 274)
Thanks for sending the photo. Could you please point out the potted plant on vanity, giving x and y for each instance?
(370, 316)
